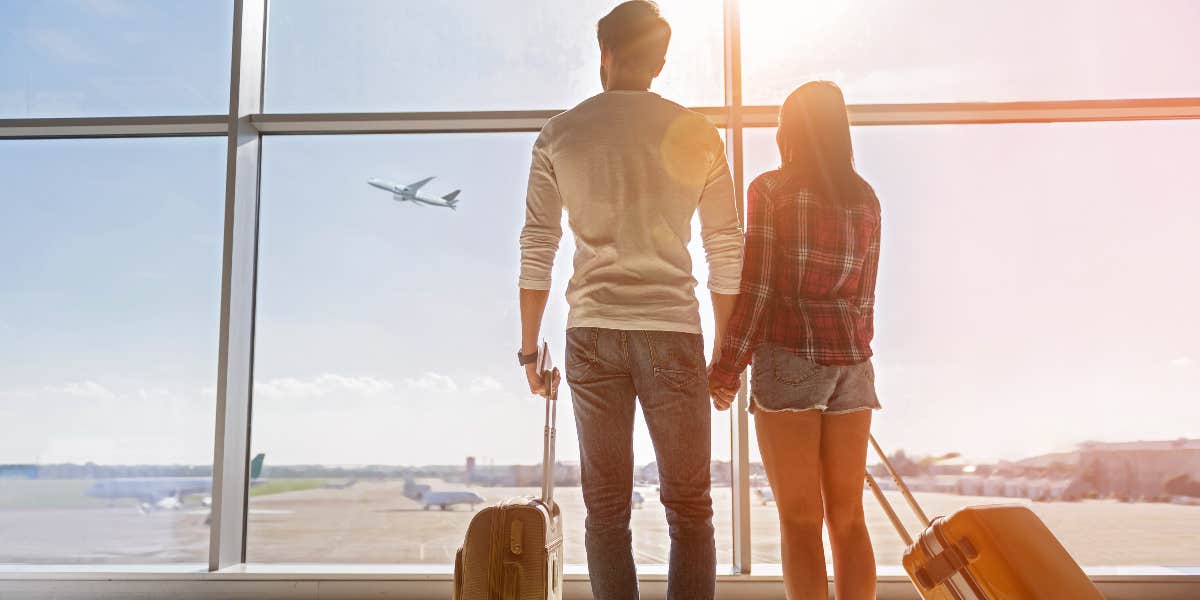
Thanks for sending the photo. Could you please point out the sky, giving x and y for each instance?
(1037, 282)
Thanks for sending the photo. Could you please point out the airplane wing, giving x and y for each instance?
(413, 187)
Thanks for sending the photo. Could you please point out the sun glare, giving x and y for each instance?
(799, 16)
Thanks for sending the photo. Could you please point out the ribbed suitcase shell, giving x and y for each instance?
(512, 551)
(1006, 552)
(991, 552)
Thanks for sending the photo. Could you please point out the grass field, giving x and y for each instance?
(48, 493)
(279, 486)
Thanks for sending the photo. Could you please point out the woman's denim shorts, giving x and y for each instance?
(782, 380)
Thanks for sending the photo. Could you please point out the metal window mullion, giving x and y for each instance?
(239, 264)
(739, 458)
(111, 127)
(937, 113)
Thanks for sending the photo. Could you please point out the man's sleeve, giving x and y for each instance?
(720, 231)
(543, 220)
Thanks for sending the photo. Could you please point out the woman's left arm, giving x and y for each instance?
(746, 325)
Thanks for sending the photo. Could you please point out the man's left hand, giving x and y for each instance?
(537, 381)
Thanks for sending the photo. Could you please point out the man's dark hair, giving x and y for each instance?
(637, 34)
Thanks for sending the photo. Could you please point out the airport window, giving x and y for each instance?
(1034, 328)
(77, 58)
(1036, 296)
(467, 55)
(940, 51)
(369, 353)
(108, 337)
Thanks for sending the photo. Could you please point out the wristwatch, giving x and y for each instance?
(525, 359)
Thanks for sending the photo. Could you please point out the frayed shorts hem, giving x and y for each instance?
(755, 407)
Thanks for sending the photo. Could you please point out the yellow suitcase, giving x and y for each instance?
(989, 552)
(514, 550)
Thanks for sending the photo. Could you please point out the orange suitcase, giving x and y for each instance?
(990, 552)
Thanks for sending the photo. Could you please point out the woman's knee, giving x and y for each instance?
(805, 521)
(845, 519)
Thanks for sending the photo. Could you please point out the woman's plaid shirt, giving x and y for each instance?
(808, 277)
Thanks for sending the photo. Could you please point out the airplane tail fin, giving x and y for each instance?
(451, 198)
(256, 465)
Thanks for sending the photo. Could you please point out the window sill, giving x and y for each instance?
(429, 581)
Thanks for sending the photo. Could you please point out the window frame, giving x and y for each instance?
(244, 127)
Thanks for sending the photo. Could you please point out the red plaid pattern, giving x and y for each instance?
(808, 277)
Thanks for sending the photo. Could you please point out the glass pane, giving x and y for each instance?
(83, 58)
(377, 55)
(1036, 315)
(385, 354)
(946, 50)
(109, 319)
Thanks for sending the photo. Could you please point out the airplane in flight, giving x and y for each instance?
(427, 497)
(408, 193)
(164, 493)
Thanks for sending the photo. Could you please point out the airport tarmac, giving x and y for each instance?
(372, 522)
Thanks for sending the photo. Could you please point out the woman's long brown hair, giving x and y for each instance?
(814, 142)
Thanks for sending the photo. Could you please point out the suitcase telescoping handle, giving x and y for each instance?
(904, 491)
(546, 368)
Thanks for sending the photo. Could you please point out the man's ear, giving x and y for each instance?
(658, 70)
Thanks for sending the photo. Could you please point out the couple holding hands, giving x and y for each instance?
(794, 294)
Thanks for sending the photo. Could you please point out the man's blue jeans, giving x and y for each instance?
(608, 370)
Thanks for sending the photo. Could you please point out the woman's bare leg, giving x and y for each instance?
(790, 443)
(843, 464)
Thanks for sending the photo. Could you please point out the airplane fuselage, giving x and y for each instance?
(163, 492)
(408, 193)
(150, 489)
(444, 500)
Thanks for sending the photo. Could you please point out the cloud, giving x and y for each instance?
(485, 384)
(433, 382)
(83, 389)
(61, 45)
(321, 385)
(286, 387)
(157, 393)
(1183, 362)
(361, 385)
(331, 384)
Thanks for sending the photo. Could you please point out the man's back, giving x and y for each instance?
(631, 169)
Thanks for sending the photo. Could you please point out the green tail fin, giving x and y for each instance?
(256, 465)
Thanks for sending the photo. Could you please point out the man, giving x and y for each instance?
(631, 169)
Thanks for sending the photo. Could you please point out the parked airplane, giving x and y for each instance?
(425, 495)
(765, 495)
(162, 493)
(637, 500)
(408, 193)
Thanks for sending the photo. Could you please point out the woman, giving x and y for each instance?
(805, 313)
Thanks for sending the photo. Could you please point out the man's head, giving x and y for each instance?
(633, 44)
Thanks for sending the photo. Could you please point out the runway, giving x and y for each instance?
(372, 522)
